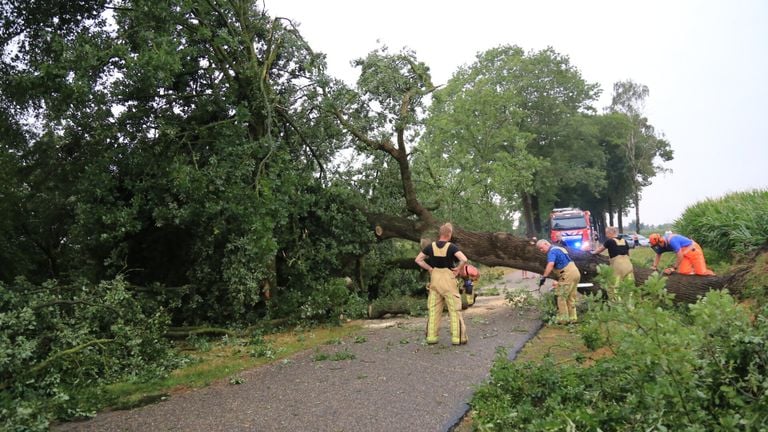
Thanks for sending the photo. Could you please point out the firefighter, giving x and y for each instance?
(689, 255)
(618, 254)
(442, 255)
(568, 277)
(559, 241)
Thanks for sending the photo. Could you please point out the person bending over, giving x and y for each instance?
(689, 255)
(568, 277)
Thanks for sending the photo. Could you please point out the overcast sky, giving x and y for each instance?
(705, 63)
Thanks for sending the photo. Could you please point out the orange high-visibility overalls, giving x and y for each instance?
(693, 261)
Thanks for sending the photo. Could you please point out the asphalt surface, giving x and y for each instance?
(394, 382)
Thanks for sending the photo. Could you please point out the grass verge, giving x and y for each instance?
(208, 361)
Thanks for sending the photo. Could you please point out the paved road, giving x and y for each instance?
(394, 382)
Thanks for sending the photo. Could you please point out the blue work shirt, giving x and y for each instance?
(677, 242)
(672, 243)
(558, 256)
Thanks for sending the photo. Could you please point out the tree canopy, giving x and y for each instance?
(515, 133)
(199, 150)
(178, 143)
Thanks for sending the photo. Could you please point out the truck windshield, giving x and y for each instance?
(569, 223)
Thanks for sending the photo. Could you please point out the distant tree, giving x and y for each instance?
(504, 129)
(644, 148)
(611, 130)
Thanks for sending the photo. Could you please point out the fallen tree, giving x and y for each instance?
(505, 249)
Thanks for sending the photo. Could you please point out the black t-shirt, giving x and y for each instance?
(447, 261)
(616, 247)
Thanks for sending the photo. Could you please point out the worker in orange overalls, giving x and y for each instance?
(690, 257)
(443, 290)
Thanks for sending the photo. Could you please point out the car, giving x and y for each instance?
(630, 238)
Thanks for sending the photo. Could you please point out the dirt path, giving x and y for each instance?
(391, 382)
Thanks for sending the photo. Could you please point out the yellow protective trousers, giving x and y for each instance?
(567, 280)
(443, 292)
(622, 268)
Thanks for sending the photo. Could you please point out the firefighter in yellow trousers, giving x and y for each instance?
(443, 290)
(618, 252)
(568, 277)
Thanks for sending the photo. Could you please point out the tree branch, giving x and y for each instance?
(284, 114)
(40, 366)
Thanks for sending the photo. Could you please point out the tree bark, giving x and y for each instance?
(530, 228)
(610, 213)
(538, 223)
(637, 211)
(599, 226)
(620, 220)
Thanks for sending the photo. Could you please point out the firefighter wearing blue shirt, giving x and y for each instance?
(568, 277)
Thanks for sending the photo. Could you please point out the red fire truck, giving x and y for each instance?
(573, 225)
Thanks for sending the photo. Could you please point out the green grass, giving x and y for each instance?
(643, 257)
(220, 360)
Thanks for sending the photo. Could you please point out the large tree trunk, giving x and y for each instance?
(505, 249)
(620, 220)
(637, 211)
(537, 217)
(610, 214)
(599, 227)
(530, 228)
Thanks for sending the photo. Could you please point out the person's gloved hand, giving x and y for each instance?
(542, 280)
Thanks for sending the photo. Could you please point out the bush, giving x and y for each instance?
(698, 369)
(735, 224)
(401, 282)
(328, 302)
(59, 344)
